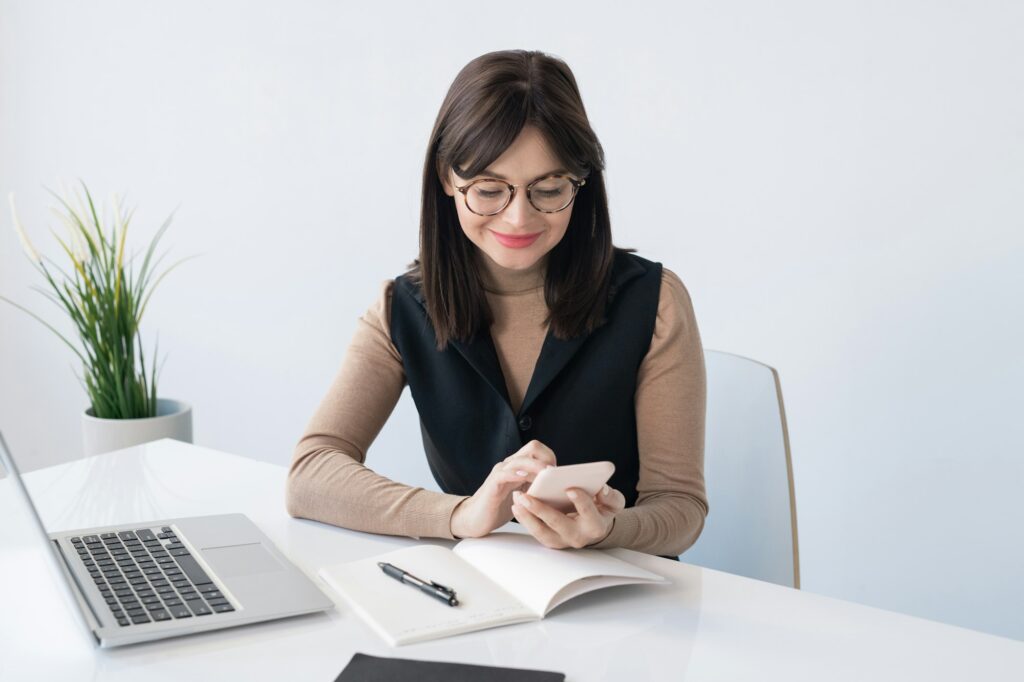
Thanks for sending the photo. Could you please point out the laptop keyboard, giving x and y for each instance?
(147, 575)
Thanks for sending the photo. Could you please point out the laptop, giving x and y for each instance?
(138, 582)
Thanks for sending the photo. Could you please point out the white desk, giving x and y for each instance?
(707, 625)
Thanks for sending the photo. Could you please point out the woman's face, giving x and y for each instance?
(527, 159)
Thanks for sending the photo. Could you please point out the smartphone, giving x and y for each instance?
(550, 484)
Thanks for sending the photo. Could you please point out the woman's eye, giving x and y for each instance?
(487, 194)
(549, 192)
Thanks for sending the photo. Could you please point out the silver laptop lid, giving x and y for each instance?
(13, 479)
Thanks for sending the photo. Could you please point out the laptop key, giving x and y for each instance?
(180, 611)
(145, 534)
(159, 615)
(192, 569)
(138, 620)
(199, 608)
(223, 608)
(123, 621)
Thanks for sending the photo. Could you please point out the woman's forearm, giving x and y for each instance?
(329, 486)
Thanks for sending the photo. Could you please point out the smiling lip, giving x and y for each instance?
(516, 241)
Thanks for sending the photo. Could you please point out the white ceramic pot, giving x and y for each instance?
(173, 420)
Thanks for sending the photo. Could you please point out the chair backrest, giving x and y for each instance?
(751, 525)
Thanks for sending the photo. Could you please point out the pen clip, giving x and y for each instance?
(443, 588)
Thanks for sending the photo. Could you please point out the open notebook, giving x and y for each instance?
(499, 579)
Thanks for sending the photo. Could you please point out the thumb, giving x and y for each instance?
(612, 498)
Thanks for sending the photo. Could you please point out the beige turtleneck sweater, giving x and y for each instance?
(329, 481)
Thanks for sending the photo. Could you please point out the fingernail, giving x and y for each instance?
(523, 501)
(520, 473)
(571, 494)
(605, 490)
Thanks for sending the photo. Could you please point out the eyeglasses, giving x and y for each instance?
(548, 194)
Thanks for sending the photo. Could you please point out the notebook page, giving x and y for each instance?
(542, 578)
(402, 614)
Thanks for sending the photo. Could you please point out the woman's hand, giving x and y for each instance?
(490, 506)
(588, 525)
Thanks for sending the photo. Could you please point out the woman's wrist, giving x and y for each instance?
(611, 526)
(456, 521)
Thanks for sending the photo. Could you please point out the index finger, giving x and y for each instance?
(555, 519)
(538, 450)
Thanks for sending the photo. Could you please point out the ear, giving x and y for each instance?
(446, 183)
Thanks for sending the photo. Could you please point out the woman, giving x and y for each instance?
(527, 339)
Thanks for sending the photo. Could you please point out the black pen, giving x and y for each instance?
(437, 590)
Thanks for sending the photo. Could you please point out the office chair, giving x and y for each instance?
(751, 525)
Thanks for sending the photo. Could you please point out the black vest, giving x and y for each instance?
(579, 402)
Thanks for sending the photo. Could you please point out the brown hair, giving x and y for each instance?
(490, 101)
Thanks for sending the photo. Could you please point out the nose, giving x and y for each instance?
(519, 211)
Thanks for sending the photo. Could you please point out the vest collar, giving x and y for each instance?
(555, 353)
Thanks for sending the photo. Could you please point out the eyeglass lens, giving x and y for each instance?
(490, 196)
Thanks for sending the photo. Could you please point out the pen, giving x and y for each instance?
(436, 590)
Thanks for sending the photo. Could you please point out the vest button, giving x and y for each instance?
(525, 423)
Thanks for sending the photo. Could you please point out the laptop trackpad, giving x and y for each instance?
(238, 560)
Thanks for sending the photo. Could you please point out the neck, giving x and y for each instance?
(507, 281)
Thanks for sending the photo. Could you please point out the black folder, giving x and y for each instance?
(364, 668)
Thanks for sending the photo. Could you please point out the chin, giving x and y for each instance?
(516, 261)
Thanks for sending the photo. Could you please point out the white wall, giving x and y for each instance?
(839, 185)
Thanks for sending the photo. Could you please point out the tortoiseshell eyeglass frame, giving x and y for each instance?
(576, 184)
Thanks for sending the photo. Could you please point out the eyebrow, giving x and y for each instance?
(490, 173)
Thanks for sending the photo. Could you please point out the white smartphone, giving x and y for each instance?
(550, 484)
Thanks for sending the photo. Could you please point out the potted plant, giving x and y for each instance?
(106, 301)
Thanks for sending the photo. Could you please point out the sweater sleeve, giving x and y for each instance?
(327, 480)
(670, 401)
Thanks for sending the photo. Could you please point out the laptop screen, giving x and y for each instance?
(11, 484)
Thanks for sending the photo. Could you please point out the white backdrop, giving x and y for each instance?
(839, 185)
